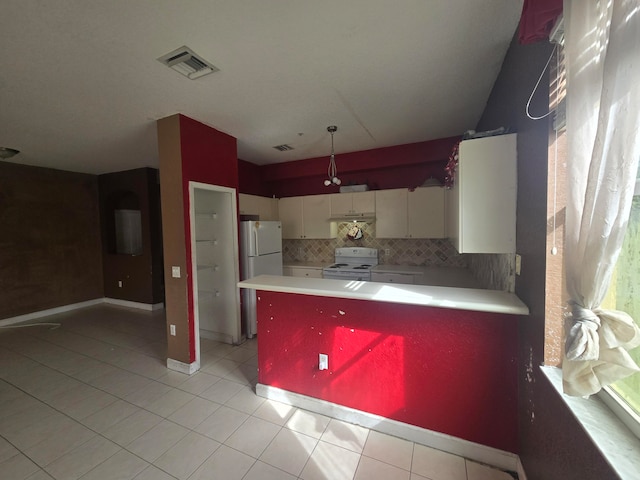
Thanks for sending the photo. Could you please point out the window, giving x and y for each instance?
(624, 294)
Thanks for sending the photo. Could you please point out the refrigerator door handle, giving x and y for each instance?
(256, 243)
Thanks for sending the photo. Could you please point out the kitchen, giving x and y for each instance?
(331, 305)
(554, 445)
(403, 232)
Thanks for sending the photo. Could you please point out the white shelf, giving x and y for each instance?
(211, 215)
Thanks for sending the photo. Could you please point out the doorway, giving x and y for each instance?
(215, 268)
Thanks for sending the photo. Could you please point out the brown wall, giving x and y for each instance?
(50, 249)
(174, 240)
(552, 445)
(141, 275)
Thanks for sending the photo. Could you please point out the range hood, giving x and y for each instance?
(353, 217)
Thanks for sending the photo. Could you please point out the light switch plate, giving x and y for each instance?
(175, 272)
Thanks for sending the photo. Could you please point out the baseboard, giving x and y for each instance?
(51, 311)
(75, 306)
(464, 448)
(188, 368)
(127, 303)
(218, 337)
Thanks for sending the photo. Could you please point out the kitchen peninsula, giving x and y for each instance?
(439, 358)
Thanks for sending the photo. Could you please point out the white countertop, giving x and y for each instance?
(442, 297)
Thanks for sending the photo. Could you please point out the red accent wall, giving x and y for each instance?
(250, 178)
(208, 156)
(451, 371)
(381, 168)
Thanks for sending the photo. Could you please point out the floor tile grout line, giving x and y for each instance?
(133, 404)
(101, 434)
(64, 347)
(46, 361)
(92, 337)
(355, 472)
(79, 421)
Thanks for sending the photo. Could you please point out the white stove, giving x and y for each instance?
(352, 263)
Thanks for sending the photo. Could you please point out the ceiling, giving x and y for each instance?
(81, 88)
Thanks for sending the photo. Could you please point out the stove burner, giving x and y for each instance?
(348, 264)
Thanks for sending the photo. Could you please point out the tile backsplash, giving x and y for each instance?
(493, 271)
(402, 251)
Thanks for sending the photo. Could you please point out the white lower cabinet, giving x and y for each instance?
(309, 272)
(405, 278)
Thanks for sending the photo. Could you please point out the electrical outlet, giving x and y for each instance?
(518, 264)
(323, 361)
(119, 283)
(175, 272)
(172, 330)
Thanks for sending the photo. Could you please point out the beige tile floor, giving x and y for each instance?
(92, 400)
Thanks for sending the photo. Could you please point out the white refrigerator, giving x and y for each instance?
(261, 254)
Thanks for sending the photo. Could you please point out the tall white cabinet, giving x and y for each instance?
(481, 206)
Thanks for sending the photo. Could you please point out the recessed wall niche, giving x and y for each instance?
(124, 224)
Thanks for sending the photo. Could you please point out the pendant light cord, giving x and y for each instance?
(536, 88)
(332, 170)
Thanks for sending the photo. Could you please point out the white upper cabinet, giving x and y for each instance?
(401, 213)
(266, 208)
(353, 204)
(391, 213)
(290, 211)
(307, 217)
(425, 211)
(481, 206)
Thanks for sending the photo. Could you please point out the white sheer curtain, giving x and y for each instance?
(602, 52)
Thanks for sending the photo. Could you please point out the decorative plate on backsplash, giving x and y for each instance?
(354, 233)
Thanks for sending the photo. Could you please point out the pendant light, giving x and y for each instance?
(332, 171)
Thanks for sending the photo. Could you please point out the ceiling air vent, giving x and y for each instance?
(185, 61)
(283, 148)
